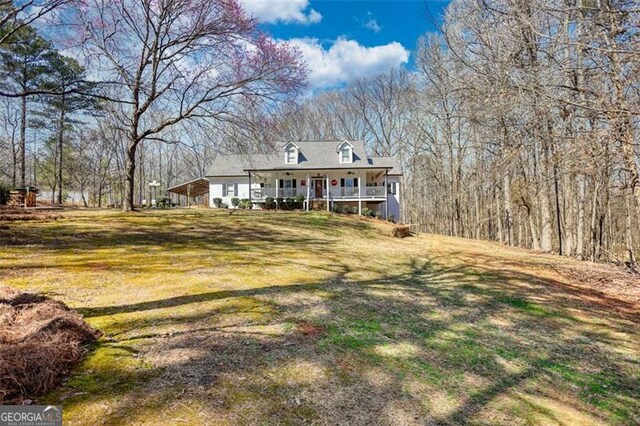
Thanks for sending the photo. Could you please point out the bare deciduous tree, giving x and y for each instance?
(178, 60)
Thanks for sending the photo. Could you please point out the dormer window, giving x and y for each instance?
(291, 156)
(291, 153)
(345, 151)
(345, 155)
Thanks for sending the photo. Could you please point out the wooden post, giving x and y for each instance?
(188, 195)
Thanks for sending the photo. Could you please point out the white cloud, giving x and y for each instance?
(372, 24)
(346, 60)
(286, 11)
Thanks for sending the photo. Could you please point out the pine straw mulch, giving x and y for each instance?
(12, 214)
(40, 340)
(609, 284)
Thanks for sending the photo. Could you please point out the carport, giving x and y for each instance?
(195, 191)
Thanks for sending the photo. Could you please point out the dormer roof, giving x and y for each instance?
(341, 144)
(290, 143)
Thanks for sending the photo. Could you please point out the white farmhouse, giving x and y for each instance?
(326, 174)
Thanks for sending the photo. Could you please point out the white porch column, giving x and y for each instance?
(328, 189)
(250, 203)
(386, 195)
(308, 190)
(277, 191)
(360, 191)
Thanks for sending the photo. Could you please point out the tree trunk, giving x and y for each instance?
(628, 151)
(629, 235)
(582, 193)
(130, 176)
(14, 154)
(556, 187)
(535, 241)
(508, 219)
(592, 228)
(23, 141)
(498, 218)
(546, 239)
(60, 148)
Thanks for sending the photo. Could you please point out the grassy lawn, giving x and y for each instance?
(288, 318)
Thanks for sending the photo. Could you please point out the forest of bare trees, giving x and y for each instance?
(518, 123)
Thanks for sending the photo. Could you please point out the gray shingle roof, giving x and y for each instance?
(312, 156)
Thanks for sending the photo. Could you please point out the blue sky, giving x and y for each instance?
(345, 39)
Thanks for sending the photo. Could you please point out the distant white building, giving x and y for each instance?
(72, 197)
(327, 174)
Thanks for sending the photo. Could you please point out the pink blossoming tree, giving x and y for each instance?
(169, 61)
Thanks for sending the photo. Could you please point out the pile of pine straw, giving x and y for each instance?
(12, 214)
(40, 340)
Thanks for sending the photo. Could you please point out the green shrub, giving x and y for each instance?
(367, 212)
(269, 203)
(335, 208)
(164, 202)
(235, 202)
(345, 210)
(378, 214)
(299, 201)
(245, 203)
(290, 203)
(279, 202)
(217, 202)
(224, 205)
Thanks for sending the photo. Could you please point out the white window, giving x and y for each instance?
(392, 188)
(292, 153)
(229, 189)
(345, 154)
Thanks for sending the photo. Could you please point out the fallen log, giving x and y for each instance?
(401, 231)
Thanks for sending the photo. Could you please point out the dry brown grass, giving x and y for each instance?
(290, 318)
(40, 340)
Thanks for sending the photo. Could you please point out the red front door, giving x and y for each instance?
(318, 188)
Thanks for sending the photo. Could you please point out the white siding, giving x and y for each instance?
(394, 200)
(216, 185)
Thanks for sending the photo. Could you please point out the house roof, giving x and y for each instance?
(312, 156)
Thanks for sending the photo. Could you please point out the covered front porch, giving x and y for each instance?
(320, 186)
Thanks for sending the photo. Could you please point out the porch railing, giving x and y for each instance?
(335, 193)
(375, 191)
(262, 193)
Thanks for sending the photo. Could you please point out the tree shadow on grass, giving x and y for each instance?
(169, 245)
(433, 344)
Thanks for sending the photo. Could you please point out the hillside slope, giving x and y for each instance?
(268, 317)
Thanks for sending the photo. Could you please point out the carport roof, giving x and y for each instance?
(193, 188)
